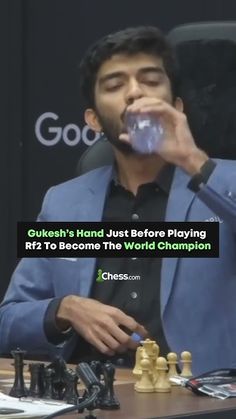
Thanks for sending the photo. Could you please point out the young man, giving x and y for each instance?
(55, 305)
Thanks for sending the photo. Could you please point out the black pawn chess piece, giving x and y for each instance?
(108, 399)
(71, 395)
(36, 380)
(18, 390)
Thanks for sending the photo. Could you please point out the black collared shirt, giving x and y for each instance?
(140, 298)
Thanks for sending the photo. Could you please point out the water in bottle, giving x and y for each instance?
(145, 132)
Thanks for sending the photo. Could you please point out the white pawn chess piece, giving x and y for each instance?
(186, 359)
(144, 383)
(172, 361)
(162, 384)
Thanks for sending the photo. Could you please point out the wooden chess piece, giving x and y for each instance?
(186, 359)
(49, 392)
(137, 372)
(148, 346)
(154, 356)
(108, 399)
(18, 390)
(172, 361)
(96, 367)
(36, 380)
(58, 366)
(71, 395)
(148, 349)
(162, 384)
(145, 383)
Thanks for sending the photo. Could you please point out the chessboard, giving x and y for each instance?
(178, 403)
(58, 381)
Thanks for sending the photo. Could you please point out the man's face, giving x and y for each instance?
(121, 80)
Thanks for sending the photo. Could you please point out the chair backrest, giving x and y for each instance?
(207, 58)
(98, 155)
(203, 31)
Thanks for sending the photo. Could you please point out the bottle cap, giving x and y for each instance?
(136, 337)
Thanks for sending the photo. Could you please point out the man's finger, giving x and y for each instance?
(102, 347)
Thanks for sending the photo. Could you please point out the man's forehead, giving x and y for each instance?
(132, 62)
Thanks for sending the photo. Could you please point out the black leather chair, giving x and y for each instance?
(207, 60)
(224, 30)
(98, 155)
(206, 52)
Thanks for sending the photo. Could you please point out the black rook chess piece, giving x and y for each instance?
(18, 390)
(37, 380)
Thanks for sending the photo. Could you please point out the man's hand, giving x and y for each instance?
(178, 146)
(99, 324)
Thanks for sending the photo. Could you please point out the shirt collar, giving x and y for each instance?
(163, 179)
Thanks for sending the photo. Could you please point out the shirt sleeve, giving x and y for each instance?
(53, 334)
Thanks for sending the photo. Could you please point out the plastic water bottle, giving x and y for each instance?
(145, 132)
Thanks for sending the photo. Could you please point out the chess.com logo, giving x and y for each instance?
(49, 132)
(107, 276)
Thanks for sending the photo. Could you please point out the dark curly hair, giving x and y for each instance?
(130, 41)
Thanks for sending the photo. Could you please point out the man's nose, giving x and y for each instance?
(134, 91)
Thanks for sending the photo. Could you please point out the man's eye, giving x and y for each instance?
(151, 82)
(113, 87)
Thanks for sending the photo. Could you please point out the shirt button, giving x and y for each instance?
(135, 217)
(133, 295)
(231, 195)
(120, 362)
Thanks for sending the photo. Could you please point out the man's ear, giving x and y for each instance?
(91, 119)
(178, 104)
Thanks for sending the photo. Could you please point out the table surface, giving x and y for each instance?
(180, 403)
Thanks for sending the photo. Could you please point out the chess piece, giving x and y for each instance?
(108, 399)
(49, 392)
(145, 382)
(149, 349)
(137, 368)
(96, 367)
(155, 350)
(154, 355)
(172, 362)
(36, 380)
(18, 390)
(186, 359)
(148, 346)
(58, 366)
(71, 395)
(162, 384)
